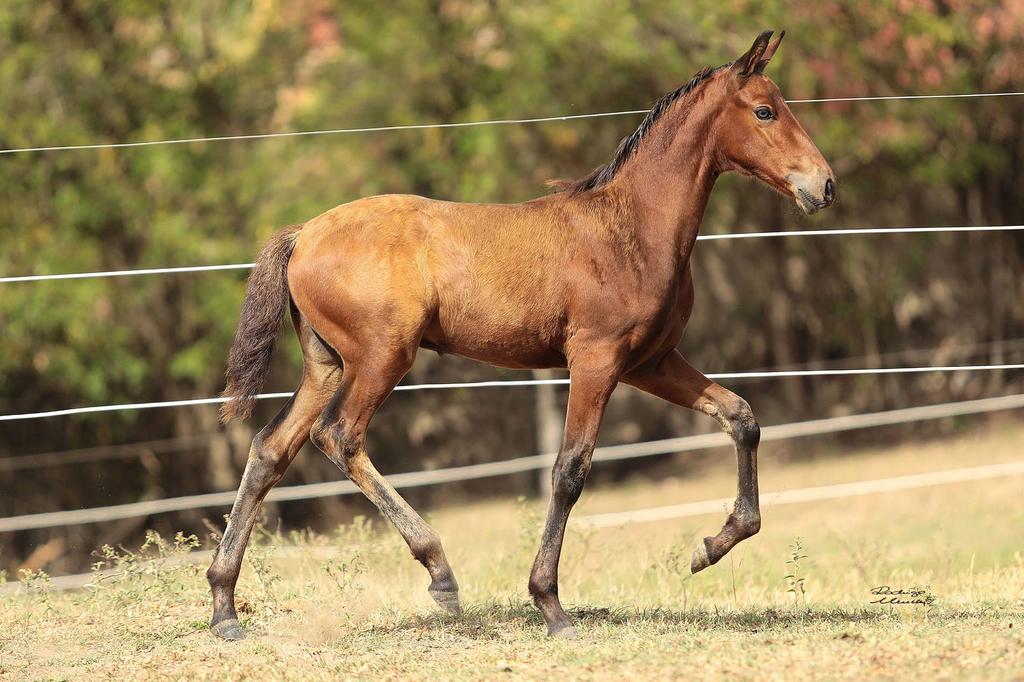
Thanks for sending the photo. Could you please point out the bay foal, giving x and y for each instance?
(595, 278)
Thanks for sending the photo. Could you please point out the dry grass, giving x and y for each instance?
(355, 605)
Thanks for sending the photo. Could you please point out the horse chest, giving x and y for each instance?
(641, 314)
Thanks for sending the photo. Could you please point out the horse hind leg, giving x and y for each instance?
(273, 449)
(340, 433)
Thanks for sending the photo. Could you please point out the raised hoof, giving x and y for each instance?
(699, 561)
(228, 629)
(447, 600)
(564, 631)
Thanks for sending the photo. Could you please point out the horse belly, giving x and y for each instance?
(497, 335)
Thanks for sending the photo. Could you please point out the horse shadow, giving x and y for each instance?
(490, 621)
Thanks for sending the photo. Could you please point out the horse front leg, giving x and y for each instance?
(591, 384)
(677, 382)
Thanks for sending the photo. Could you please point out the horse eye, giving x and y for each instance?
(764, 113)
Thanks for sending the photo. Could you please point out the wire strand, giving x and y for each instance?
(609, 519)
(99, 453)
(331, 131)
(518, 382)
(812, 494)
(704, 237)
(463, 124)
(838, 232)
(127, 273)
(415, 479)
(891, 98)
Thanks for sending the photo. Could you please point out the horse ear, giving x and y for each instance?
(746, 64)
(769, 53)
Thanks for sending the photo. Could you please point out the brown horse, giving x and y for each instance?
(595, 278)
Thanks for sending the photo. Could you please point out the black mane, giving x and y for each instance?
(603, 174)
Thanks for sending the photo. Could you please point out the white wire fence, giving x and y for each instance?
(464, 124)
(812, 494)
(513, 466)
(704, 237)
(618, 519)
(196, 442)
(102, 453)
(724, 376)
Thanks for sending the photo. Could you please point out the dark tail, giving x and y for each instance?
(266, 300)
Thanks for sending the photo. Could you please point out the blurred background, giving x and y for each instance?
(79, 72)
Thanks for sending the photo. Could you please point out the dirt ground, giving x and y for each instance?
(794, 602)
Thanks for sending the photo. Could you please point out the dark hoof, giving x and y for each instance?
(699, 561)
(228, 629)
(563, 631)
(447, 600)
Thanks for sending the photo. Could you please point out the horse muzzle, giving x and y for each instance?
(813, 192)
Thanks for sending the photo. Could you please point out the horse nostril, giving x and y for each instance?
(830, 191)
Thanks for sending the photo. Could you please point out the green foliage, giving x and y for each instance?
(131, 72)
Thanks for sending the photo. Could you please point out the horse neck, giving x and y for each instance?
(669, 181)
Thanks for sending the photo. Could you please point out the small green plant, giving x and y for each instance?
(262, 545)
(157, 558)
(344, 571)
(583, 537)
(523, 540)
(258, 557)
(794, 578)
(676, 560)
(37, 583)
(672, 567)
(359, 532)
(108, 558)
(34, 581)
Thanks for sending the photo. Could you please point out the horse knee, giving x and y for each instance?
(741, 424)
(748, 435)
(318, 435)
(570, 474)
(267, 458)
(336, 440)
